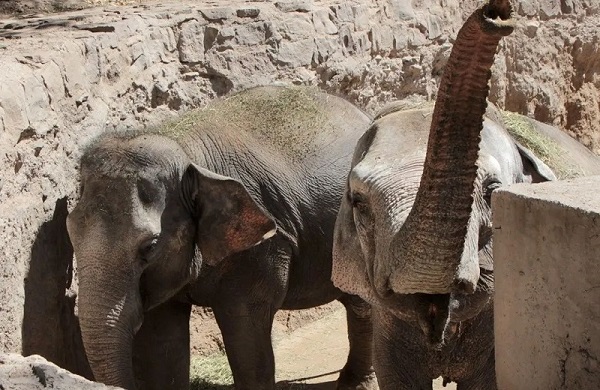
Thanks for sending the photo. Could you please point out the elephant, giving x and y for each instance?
(413, 235)
(231, 207)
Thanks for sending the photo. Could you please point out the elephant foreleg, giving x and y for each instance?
(358, 373)
(162, 348)
(246, 331)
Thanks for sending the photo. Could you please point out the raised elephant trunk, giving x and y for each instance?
(109, 317)
(431, 245)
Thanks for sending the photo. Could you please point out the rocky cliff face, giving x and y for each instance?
(67, 77)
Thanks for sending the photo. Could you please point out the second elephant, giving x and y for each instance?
(414, 234)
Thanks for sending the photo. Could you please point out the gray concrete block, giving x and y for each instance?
(546, 260)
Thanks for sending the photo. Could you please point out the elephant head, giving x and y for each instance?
(147, 219)
(414, 232)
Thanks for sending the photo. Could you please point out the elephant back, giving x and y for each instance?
(563, 154)
(288, 120)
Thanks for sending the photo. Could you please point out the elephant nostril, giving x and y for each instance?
(462, 286)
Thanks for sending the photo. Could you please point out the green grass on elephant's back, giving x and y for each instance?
(213, 373)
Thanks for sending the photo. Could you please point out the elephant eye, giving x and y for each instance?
(359, 203)
(147, 249)
(147, 191)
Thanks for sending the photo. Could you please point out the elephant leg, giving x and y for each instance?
(246, 331)
(161, 351)
(358, 373)
(484, 378)
(399, 361)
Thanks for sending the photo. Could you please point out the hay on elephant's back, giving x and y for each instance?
(545, 148)
(289, 118)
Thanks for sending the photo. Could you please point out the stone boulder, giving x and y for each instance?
(36, 373)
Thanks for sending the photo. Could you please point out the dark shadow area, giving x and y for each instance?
(220, 84)
(293, 385)
(50, 327)
(296, 384)
(201, 384)
(282, 385)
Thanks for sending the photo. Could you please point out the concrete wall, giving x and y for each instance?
(547, 269)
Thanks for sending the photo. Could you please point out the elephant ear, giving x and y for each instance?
(533, 167)
(228, 219)
(349, 270)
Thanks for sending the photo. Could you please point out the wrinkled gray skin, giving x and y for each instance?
(233, 209)
(414, 235)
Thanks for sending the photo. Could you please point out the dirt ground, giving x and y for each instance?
(308, 358)
(315, 353)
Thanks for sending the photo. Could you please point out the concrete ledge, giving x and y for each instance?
(546, 259)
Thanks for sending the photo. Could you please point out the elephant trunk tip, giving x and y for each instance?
(501, 9)
(498, 15)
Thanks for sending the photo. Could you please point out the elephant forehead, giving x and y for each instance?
(116, 201)
(380, 170)
(389, 188)
(117, 156)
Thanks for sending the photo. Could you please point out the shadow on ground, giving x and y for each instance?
(283, 385)
(294, 384)
(291, 385)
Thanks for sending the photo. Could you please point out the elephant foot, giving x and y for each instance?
(349, 381)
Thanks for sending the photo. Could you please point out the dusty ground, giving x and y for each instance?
(308, 358)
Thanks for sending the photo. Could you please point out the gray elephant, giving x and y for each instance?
(233, 207)
(413, 234)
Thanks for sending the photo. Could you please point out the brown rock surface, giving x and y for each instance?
(67, 77)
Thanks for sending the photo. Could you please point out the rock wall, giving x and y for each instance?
(546, 246)
(67, 77)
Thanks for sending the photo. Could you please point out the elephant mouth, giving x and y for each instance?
(431, 313)
(433, 317)
(439, 316)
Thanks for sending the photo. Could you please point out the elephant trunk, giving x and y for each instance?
(110, 314)
(431, 246)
